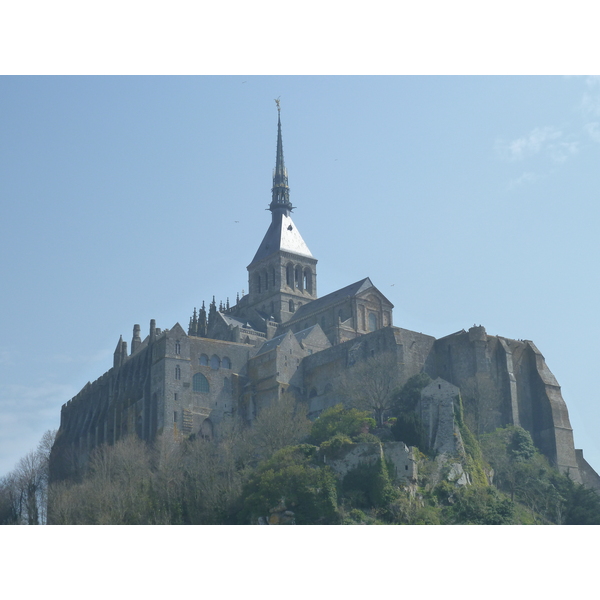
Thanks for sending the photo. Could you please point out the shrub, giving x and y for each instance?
(291, 475)
(339, 420)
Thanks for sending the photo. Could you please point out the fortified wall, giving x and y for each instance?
(177, 385)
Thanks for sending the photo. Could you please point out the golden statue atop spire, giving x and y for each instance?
(278, 104)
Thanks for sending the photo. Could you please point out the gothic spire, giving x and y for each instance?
(280, 202)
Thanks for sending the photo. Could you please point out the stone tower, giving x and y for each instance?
(282, 275)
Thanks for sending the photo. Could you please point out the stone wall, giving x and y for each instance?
(507, 382)
(436, 409)
(396, 453)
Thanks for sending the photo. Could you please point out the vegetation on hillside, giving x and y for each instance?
(275, 472)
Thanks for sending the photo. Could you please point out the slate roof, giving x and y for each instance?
(330, 299)
(302, 335)
(235, 321)
(244, 323)
(281, 235)
(274, 342)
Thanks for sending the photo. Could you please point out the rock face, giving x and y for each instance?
(436, 410)
(507, 382)
(397, 453)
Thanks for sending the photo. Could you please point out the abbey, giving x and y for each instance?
(281, 339)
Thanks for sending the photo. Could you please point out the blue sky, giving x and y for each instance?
(465, 200)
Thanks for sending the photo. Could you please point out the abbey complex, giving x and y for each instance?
(282, 339)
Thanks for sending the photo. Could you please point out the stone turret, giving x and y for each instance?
(136, 341)
(120, 354)
(202, 321)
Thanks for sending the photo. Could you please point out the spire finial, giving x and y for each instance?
(280, 202)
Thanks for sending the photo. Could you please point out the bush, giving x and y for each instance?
(335, 446)
(291, 475)
(477, 505)
(339, 420)
(369, 485)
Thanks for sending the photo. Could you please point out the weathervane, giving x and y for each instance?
(278, 105)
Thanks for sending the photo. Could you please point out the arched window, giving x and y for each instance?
(258, 282)
(215, 362)
(204, 360)
(177, 372)
(298, 277)
(273, 276)
(200, 384)
(313, 393)
(226, 363)
(289, 275)
(308, 280)
(266, 281)
(177, 347)
(291, 306)
(372, 321)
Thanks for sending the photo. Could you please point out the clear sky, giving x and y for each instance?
(466, 200)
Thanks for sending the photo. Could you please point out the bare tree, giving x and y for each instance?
(284, 423)
(43, 451)
(371, 385)
(24, 492)
(120, 478)
(167, 481)
(12, 500)
(30, 480)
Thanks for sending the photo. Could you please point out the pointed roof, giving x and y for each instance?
(274, 342)
(119, 347)
(350, 291)
(281, 235)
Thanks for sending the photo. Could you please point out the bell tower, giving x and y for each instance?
(283, 273)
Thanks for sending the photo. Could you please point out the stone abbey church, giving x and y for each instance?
(282, 339)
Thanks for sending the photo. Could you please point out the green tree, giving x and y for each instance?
(509, 451)
(477, 505)
(580, 506)
(293, 477)
(369, 485)
(339, 420)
